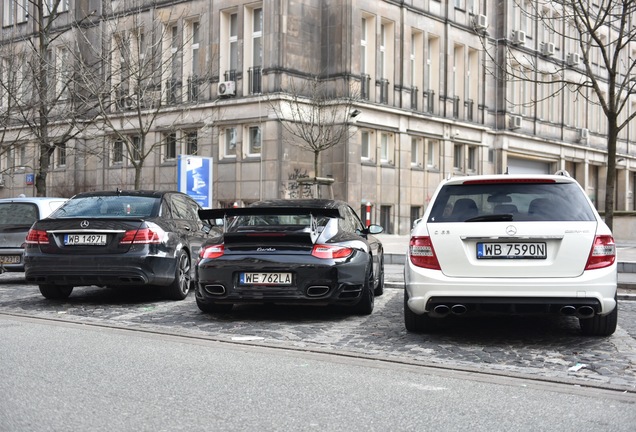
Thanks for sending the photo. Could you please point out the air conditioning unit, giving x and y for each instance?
(227, 88)
(519, 37)
(515, 121)
(573, 59)
(481, 22)
(584, 134)
(548, 49)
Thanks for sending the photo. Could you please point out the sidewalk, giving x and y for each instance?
(395, 247)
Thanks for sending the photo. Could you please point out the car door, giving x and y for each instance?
(185, 213)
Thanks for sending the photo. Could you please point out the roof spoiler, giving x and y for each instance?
(312, 212)
(222, 213)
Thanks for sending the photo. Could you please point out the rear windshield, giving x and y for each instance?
(515, 201)
(275, 222)
(18, 214)
(109, 206)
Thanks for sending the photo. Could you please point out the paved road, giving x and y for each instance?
(549, 349)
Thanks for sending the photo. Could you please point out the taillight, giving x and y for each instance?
(212, 252)
(331, 251)
(37, 237)
(422, 253)
(603, 253)
(143, 236)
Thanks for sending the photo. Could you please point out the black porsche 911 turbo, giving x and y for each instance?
(308, 251)
(117, 239)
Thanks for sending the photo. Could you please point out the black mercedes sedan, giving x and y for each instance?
(314, 252)
(117, 238)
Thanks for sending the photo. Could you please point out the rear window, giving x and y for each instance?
(277, 222)
(109, 206)
(18, 214)
(515, 201)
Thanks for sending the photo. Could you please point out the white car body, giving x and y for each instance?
(526, 263)
(16, 217)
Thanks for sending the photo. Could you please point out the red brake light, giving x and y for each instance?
(331, 251)
(422, 253)
(603, 253)
(212, 252)
(143, 236)
(509, 180)
(37, 237)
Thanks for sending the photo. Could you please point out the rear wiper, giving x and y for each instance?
(491, 218)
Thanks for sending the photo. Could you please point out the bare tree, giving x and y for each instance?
(605, 33)
(42, 104)
(314, 117)
(139, 82)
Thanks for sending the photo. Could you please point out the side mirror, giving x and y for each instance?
(374, 229)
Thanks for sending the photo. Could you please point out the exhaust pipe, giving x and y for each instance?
(459, 309)
(215, 290)
(568, 310)
(317, 291)
(585, 312)
(441, 310)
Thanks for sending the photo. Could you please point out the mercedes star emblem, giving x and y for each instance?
(84, 224)
(511, 230)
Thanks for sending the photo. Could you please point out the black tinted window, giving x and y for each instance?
(516, 201)
(109, 206)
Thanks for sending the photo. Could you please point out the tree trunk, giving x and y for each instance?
(612, 136)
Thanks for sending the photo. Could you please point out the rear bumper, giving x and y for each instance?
(429, 288)
(12, 253)
(314, 283)
(100, 270)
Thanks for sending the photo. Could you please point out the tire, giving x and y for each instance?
(600, 325)
(379, 290)
(214, 307)
(413, 322)
(367, 297)
(56, 292)
(180, 286)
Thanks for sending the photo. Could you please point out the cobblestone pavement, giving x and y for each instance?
(544, 348)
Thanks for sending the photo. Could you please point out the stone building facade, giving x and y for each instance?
(423, 76)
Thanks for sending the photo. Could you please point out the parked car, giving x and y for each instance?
(16, 217)
(117, 238)
(314, 252)
(511, 244)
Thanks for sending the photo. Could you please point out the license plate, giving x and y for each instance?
(85, 239)
(511, 250)
(253, 278)
(10, 259)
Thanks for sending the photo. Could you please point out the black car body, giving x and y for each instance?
(291, 252)
(117, 238)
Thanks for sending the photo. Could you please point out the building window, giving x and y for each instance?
(385, 219)
(432, 153)
(64, 72)
(229, 148)
(229, 45)
(365, 145)
(417, 152)
(472, 159)
(254, 48)
(431, 75)
(254, 141)
(61, 154)
(191, 59)
(170, 143)
(191, 141)
(458, 156)
(136, 150)
(386, 148)
(117, 153)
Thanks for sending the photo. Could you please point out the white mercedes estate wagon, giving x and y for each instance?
(511, 244)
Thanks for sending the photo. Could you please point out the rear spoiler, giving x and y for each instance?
(312, 212)
(222, 213)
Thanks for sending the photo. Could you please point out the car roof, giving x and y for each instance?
(314, 202)
(140, 193)
(32, 199)
(558, 178)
